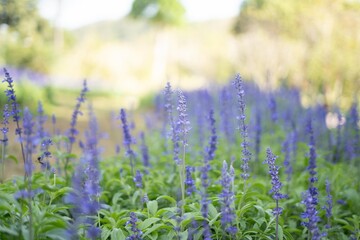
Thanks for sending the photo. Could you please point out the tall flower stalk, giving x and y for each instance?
(276, 187)
(4, 140)
(128, 140)
(15, 112)
(73, 132)
(246, 154)
(182, 130)
(227, 198)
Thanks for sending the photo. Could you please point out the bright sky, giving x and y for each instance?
(76, 13)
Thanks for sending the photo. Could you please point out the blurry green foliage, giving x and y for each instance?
(328, 32)
(25, 37)
(163, 12)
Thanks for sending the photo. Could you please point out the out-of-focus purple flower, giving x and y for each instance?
(287, 151)
(136, 232)
(246, 155)
(45, 154)
(227, 198)
(138, 179)
(213, 138)
(5, 123)
(225, 112)
(23, 194)
(258, 132)
(311, 214)
(275, 182)
(312, 152)
(93, 232)
(337, 154)
(329, 203)
(41, 119)
(144, 150)
(189, 181)
(273, 109)
(128, 140)
(183, 124)
(30, 140)
(341, 202)
(72, 132)
(353, 144)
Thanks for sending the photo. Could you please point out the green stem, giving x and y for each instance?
(3, 162)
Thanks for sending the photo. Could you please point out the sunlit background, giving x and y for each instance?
(133, 48)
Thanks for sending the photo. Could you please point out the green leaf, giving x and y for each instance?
(8, 231)
(212, 211)
(280, 233)
(184, 235)
(145, 224)
(13, 158)
(168, 198)
(154, 228)
(117, 234)
(152, 206)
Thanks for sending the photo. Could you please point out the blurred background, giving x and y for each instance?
(129, 49)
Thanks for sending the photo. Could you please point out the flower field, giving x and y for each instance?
(228, 162)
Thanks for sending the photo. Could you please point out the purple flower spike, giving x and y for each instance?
(72, 132)
(138, 179)
(227, 198)
(246, 155)
(189, 181)
(133, 226)
(128, 140)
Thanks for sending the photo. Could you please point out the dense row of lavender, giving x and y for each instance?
(196, 172)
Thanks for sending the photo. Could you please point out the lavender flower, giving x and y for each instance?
(168, 109)
(329, 203)
(312, 163)
(144, 150)
(258, 132)
(274, 173)
(29, 140)
(227, 198)
(128, 140)
(311, 214)
(246, 155)
(15, 112)
(182, 122)
(189, 181)
(41, 119)
(72, 132)
(213, 138)
(93, 233)
(272, 107)
(287, 151)
(138, 179)
(5, 123)
(225, 113)
(133, 226)
(46, 154)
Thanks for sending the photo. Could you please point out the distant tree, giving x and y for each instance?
(25, 37)
(328, 32)
(164, 14)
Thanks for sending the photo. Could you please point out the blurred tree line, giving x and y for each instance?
(26, 39)
(315, 43)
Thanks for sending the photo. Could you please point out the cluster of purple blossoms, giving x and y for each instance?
(329, 203)
(138, 179)
(213, 137)
(276, 184)
(30, 140)
(227, 199)
(182, 122)
(311, 214)
(246, 155)
(133, 226)
(258, 132)
(5, 123)
(144, 150)
(272, 107)
(287, 151)
(72, 132)
(189, 181)
(128, 140)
